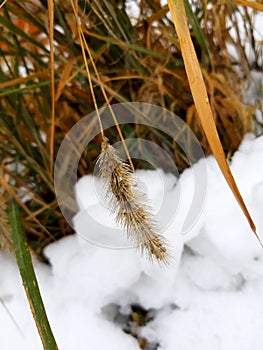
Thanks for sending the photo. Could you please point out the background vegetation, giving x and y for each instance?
(138, 57)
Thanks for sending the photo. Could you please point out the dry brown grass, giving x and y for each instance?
(136, 59)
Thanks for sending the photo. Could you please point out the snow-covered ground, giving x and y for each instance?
(210, 297)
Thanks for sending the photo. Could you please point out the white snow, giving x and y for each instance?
(210, 297)
(242, 27)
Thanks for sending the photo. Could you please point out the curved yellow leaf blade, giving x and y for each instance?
(201, 100)
(253, 4)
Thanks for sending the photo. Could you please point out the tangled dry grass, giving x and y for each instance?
(138, 59)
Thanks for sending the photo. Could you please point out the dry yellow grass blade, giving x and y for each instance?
(3, 3)
(23, 80)
(201, 100)
(255, 5)
(52, 73)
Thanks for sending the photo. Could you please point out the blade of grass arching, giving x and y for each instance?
(23, 80)
(27, 87)
(29, 279)
(178, 63)
(201, 100)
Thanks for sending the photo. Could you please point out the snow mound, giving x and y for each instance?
(209, 297)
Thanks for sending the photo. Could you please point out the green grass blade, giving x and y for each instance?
(196, 27)
(27, 272)
(21, 90)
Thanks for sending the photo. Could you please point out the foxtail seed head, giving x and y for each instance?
(133, 214)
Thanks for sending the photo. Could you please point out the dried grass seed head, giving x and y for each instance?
(132, 211)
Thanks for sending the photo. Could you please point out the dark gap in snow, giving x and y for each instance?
(132, 319)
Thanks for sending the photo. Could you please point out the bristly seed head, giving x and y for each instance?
(132, 211)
